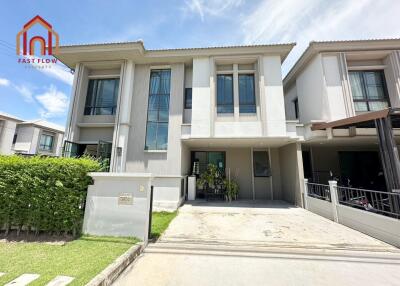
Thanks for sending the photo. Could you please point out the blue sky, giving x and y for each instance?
(30, 94)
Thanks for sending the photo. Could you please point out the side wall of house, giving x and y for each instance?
(290, 96)
(7, 131)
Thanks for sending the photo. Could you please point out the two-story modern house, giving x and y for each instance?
(35, 137)
(340, 91)
(160, 111)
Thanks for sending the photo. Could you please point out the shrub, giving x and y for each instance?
(44, 194)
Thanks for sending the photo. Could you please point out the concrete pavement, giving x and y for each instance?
(262, 244)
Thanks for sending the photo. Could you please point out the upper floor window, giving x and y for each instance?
(224, 93)
(102, 97)
(188, 98)
(296, 108)
(247, 98)
(15, 138)
(158, 110)
(46, 142)
(369, 90)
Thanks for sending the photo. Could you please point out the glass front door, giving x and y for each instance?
(201, 159)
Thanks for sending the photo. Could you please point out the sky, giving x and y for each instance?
(44, 93)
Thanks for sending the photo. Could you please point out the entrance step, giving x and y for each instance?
(23, 280)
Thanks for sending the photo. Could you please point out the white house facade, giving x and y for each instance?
(337, 90)
(35, 137)
(165, 111)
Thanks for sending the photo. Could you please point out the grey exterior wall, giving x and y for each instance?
(7, 131)
(156, 162)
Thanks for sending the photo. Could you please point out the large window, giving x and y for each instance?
(369, 90)
(224, 93)
(46, 142)
(158, 110)
(247, 98)
(261, 165)
(102, 97)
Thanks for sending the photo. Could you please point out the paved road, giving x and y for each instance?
(262, 244)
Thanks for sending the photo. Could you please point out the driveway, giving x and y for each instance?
(274, 243)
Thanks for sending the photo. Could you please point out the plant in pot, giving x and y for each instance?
(208, 178)
(232, 190)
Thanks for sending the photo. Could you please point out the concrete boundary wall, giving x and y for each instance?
(378, 226)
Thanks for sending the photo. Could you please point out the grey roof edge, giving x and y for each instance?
(315, 47)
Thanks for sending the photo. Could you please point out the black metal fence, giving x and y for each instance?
(319, 191)
(383, 203)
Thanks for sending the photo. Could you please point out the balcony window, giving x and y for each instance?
(46, 142)
(224, 93)
(247, 98)
(158, 110)
(102, 97)
(369, 90)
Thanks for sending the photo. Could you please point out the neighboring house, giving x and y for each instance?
(8, 126)
(29, 137)
(165, 111)
(38, 137)
(338, 90)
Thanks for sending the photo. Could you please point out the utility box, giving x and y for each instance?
(118, 204)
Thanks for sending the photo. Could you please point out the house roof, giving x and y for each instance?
(44, 124)
(70, 55)
(9, 116)
(316, 47)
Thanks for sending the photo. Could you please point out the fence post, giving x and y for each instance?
(334, 199)
(305, 193)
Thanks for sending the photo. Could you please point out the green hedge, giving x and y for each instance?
(44, 194)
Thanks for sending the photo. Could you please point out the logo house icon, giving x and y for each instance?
(43, 47)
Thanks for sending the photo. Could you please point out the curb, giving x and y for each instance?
(112, 272)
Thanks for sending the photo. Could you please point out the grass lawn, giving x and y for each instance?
(82, 258)
(160, 222)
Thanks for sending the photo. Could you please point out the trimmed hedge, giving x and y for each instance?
(44, 194)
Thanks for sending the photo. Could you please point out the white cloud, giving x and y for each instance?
(57, 71)
(210, 7)
(54, 103)
(303, 21)
(4, 82)
(25, 92)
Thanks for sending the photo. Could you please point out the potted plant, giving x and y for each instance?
(232, 190)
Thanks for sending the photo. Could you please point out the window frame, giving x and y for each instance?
(92, 107)
(233, 94)
(157, 122)
(364, 86)
(187, 105)
(254, 93)
(268, 162)
(43, 147)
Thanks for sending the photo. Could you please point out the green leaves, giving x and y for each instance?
(44, 194)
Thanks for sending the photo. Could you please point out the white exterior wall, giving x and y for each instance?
(24, 139)
(7, 131)
(310, 90)
(272, 102)
(201, 98)
(333, 90)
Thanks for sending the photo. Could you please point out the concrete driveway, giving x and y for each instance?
(262, 243)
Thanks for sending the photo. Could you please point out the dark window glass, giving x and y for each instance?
(102, 97)
(296, 107)
(369, 90)
(247, 99)
(46, 142)
(14, 138)
(261, 165)
(158, 110)
(188, 98)
(224, 93)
